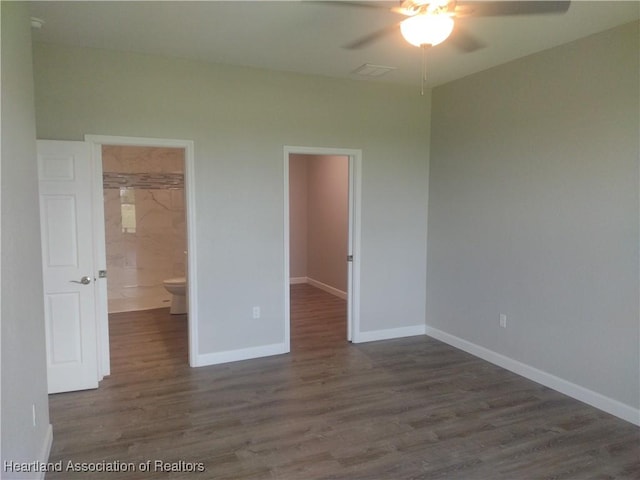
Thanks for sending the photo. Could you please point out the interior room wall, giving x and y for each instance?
(319, 216)
(298, 218)
(534, 212)
(149, 182)
(328, 220)
(26, 432)
(239, 120)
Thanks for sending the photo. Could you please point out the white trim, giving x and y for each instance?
(216, 358)
(192, 264)
(322, 286)
(286, 254)
(597, 400)
(355, 225)
(100, 262)
(327, 288)
(355, 211)
(46, 450)
(389, 333)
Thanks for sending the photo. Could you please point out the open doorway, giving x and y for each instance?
(146, 253)
(152, 183)
(318, 245)
(321, 235)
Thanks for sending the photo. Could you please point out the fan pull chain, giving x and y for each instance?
(424, 68)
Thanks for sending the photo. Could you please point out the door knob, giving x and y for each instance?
(84, 280)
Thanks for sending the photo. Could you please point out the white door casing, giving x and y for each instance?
(96, 142)
(65, 188)
(353, 251)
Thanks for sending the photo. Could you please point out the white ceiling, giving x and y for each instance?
(308, 37)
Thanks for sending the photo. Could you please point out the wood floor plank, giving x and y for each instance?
(411, 408)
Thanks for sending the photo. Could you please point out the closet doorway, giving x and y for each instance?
(322, 234)
(98, 142)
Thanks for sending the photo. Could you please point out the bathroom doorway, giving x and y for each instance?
(146, 253)
(144, 195)
(321, 235)
(145, 225)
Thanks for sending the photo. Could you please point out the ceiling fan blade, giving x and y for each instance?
(340, 3)
(505, 8)
(372, 37)
(389, 6)
(464, 41)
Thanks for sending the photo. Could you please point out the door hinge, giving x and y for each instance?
(349, 258)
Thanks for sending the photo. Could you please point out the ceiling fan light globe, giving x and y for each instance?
(426, 29)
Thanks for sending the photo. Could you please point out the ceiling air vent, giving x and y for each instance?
(372, 71)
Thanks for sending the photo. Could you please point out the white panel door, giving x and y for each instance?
(64, 173)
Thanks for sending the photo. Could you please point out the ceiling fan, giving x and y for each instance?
(431, 22)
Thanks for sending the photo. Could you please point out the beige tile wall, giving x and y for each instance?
(138, 261)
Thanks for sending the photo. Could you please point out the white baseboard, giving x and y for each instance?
(320, 285)
(597, 400)
(46, 450)
(327, 288)
(389, 333)
(215, 358)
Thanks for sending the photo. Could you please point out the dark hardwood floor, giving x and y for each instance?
(410, 408)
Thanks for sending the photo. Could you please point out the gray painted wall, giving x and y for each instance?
(298, 216)
(240, 119)
(533, 211)
(24, 381)
(319, 218)
(328, 207)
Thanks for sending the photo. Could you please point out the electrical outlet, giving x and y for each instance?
(503, 320)
(256, 312)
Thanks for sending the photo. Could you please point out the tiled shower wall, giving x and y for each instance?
(144, 224)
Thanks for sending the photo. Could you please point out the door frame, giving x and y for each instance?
(353, 249)
(96, 142)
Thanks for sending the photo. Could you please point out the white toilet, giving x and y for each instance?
(177, 287)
